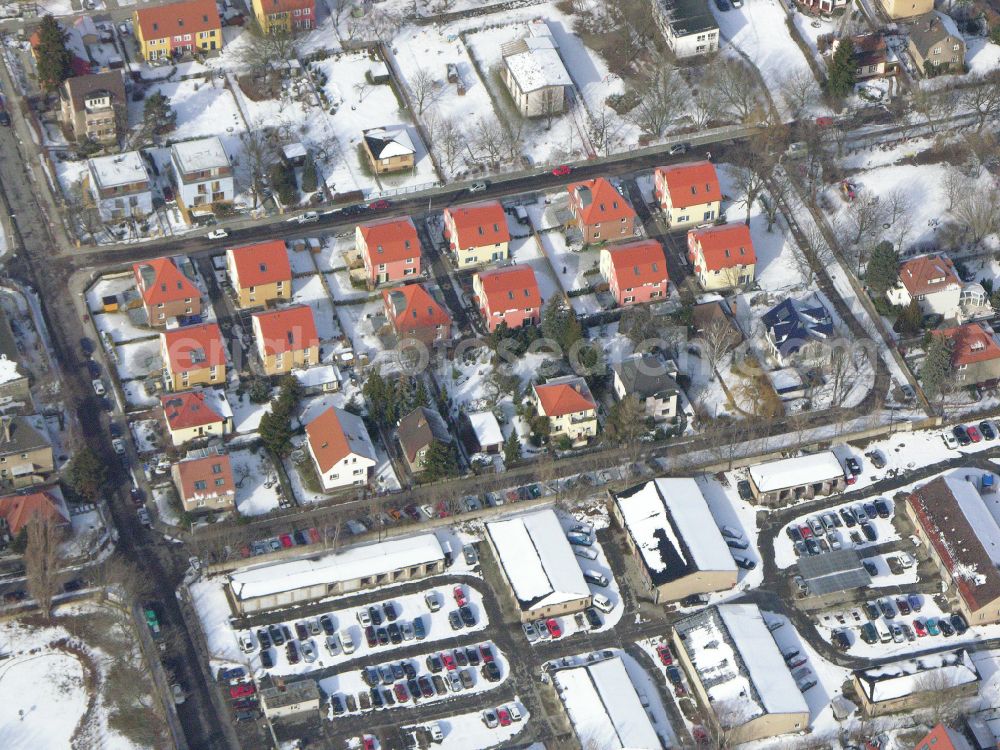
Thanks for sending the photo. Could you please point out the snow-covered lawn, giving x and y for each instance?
(147, 434)
(120, 328)
(463, 731)
(576, 263)
(203, 108)
(139, 359)
(981, 55)
(357, 321)
(257, 486)
(246, 414)
(108, 286)
(302, 262)
(311, 290)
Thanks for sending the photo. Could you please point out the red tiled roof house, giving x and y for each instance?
(205, 482)
(341, 449)
(933, 282)
(689, 193)
(178, 29)
(17, 511)
(975, 353)
(570, 407)
(260, 273)
(165, 291)
(286, 339)
(723, 257)
(414, 314)
(477, 233)
(636, 272)
(508, 295)
(390, 250)
(600, 213)
(191, 415)
(193, 355)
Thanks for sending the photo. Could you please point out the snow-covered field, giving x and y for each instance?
(257, 487)
(463, 731)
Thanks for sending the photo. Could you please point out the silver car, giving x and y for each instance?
(529, 632)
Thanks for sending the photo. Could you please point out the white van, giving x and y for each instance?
(347, 642)
(602, 603)
(884, 634)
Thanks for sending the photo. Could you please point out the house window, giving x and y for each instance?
(219, 482)
(936, 51)
(709, 215)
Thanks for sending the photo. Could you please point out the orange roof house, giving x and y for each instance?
(260, 273)
(166, 292)
(508, 295)
(601, 213)
(688, 193)
(193, 355)
(477, 233)
(178, 29)
(570, 407)
(18, 510)
(390, 249)
(414, 313)
(635, 272)
(286, 338)
(204, 481)
(928, 274)
(723, 256)
(559, 399)
(942, 738)
(341, 448)
(193, 414)
(975, 353)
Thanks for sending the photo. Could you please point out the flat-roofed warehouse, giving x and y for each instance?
(352, 569)
(674, 539)
(833, 572)
(539, 565)
(800, 478)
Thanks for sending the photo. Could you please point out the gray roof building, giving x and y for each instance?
(830, 572)
(646, 377)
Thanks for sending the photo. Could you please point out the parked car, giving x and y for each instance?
(961, 435)
(468, 619)
(478, 187)
(490, 719)
(593, 619)
(242, 690)
(529, 632)
(455, 620)
(986, 430)
(973, 433)
(882, 508)
(562, 170)
(949, 440)
(459, 594)
(301, 632)
(946, 629)
(869, 531)
(666, 657)
(491, 671)
(553, 627)
(959, 624)
(888, 611)
(932, 626)
(853, 466)
(326, 622)
(292, 652)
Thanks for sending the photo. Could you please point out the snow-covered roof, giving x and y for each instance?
(603, 705)
(200, 155)
(535, 63)
(977, 514)
(673, 528)
(8, 369)
(786, 379)
(793, 472)
(317, 376)
(385, 143)
(537, 559)
(933, 672)
(216, 398)
(118, 169)
(486, 428)
(294, 151)
(347, 565)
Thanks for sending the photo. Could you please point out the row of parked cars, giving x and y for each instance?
(883, 627)
(501, 716)
(798, 666)
(963, 435)
(242, 693)
(823, 532)
(299, 537)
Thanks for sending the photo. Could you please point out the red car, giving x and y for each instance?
(314, 537)
(553, 625)
(379, 204)
(824, 122)
(459, 596)
(286, 541)
(664, 653)
(242, 690)
(368, 742)
(919, 629)
(974, 435)
(562, 171)
(487, 653)
(504, 717)
(401, 693)
(805, 531)
(449, 660)
(442, 509)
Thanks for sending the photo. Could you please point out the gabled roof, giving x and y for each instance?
(194, 347)
(691, 183)
(289, 329)
(187, 17)
(20, 434)
(510, 288)
(79, 88)
(928, 274)
(161, 281)
(638, 263)
(19, 510)
(600, 202)
(390, 240)
(284, 6)
(478, 224)
(793, 322)
(644, 375)
(189, 409)
(336, 434)
(931, 29)
(412, 307)
(385, 143)
(971, 343)
(562, 396)
(204, 476)
(725, 246)
(261, 263)
(419, 429)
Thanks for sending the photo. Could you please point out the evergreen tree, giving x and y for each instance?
(54, 61)
(840, 78)
(626, 421)
(420, 395)
(911, 320)
(440, 461)
(512, 448)
(936, 370)
(882, 270)
(309, 176)
(560, 324)
(283, 183)
(87, 474)
(275, 432)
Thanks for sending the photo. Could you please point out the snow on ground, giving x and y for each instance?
(358, 322)
(137, 396)
(886, 577)
(575, 263)
(147, 434)
(302, 262)
(120, 328)
(246, 414)
(981, 55)
(203, 108)
(812, 27)
(108, 286)
(257, 487)
(730, 510)
(164, 497)
(463, 731)
(138, 359)
(310, 290)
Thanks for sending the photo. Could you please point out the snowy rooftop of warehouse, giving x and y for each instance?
(674, 529)
(201, 154)
(603, 704)
(739, 663)
(931, 672)
(976, 512)
(792, 472)
(8, 367)
(347, 565)
(119, 169)
(537, 559)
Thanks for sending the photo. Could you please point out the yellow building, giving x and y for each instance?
(896, 9)
(570, 408)
(193, 355)
(477, 233)
(289, 16)
(286, 339)
(688, 193)
(178, 29)
(260, 273)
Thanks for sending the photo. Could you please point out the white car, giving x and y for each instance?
(347, 642)
(144, 518)
(478, 187)
(98, 387)
(308, 651)
(309, 217)
(218, 234)
(512, 709)
(119, 445)
(246, 640)
(178, 692)
(949, 440)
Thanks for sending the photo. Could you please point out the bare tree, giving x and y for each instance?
(898, 215)
(259, 153)
(601, 129)
(662, 98)
(422, 88)
(41, 561)
(488, 137)
(983, 98)
(954, 184)
(717, 340)
(260, 50)
(705, 105)
(978, 212)
(932, 105)
(865, 216)
(735, 86)
(798, 91)
(449, 141)
(938, 695)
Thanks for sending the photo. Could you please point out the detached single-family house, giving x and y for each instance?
(193, 355)
(477, 233)
(177, 29)
(26, 456)
(17, 511)
(341, 449)
(202, 175)
(600, 212)
(723, 257)
(636, 272)
(688, 26)
(286, 339)
(651, 382)
(897, 9)
(192, 415)
(932, 281)
(119, 186)
(793, 323)
(390, 250)
(92, 106)
(389, 149)
(416, 431)
(534, 73)
(570, 407)
(975, 353)
(509, 296)
(871, 56)
(936, 44)
(204, 481)
(289, 16)
(166, 292)
(414, 314)
(688, 193)
(260, 273)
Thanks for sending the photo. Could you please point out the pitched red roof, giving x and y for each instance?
(506, 288)
(188, 409)
(336, 434)
(559, 399)
(971, 343)
(289, 329)
(194, 347)
(638, 263)
(205, 477)
(928, 274)
(691, 183)
(725, 246)
(942, 738)
(261, 263)
(390, 240)
(284, 6)
(478, 224)
(19, 510)
(600, 202)
(412, 306)
(188, 17)
(160, 281)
